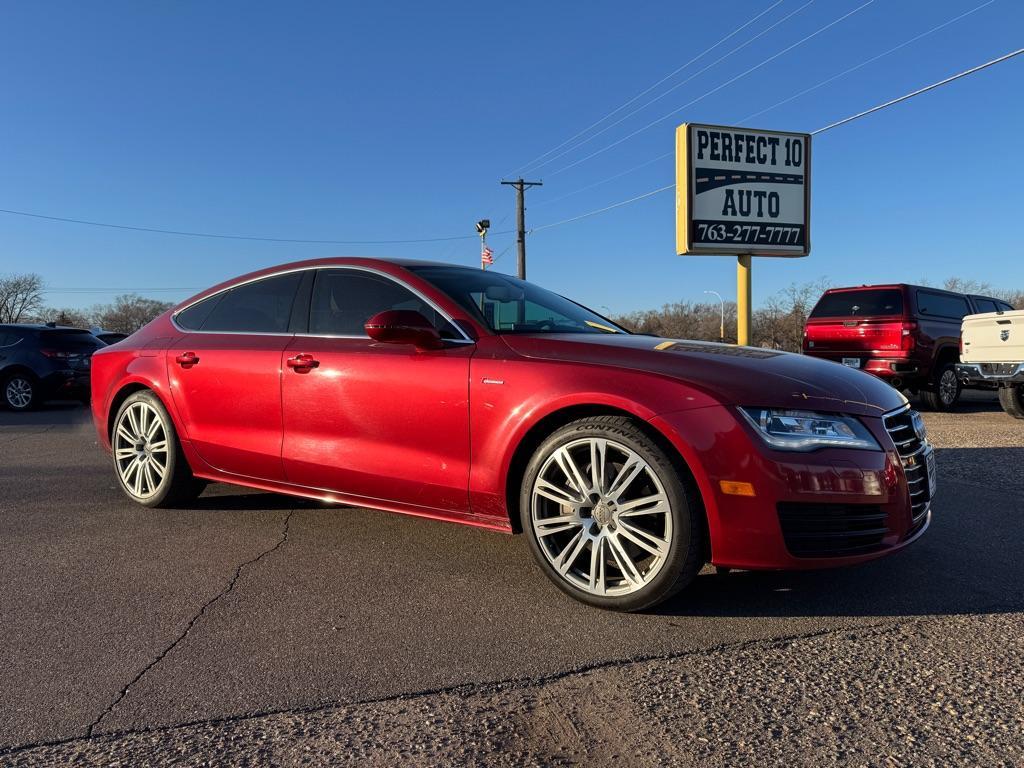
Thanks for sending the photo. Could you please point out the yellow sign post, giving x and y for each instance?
(742, 192)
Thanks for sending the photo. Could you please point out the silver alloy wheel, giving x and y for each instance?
(19, 392)
(948, 386)
(140, 449)
(601, 516)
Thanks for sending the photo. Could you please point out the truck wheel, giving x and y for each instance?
(944, 391)
(1012, 400)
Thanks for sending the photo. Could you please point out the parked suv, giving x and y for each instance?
(908, 335)
(44, 362)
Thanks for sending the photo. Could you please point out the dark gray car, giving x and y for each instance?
(44, 362)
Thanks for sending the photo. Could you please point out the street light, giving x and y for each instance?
(721, 324)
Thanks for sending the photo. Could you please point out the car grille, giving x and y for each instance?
(831, 530)
(900, 426)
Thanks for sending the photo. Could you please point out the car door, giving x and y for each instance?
(225, 375)
(376, 420)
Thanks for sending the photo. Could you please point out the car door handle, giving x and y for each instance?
(302, 363)
(187, 359)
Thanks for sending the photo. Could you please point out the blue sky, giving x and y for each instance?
(356, 121)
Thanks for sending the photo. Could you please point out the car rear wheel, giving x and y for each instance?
(19, 392)
(148, 459)
(608, 517)
(1012, 400)
(944, 391)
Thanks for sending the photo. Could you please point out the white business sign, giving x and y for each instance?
(742, 191)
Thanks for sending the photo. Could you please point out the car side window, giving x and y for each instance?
(344, 299)
(262, 306)
(942, 305)
(1004, 306)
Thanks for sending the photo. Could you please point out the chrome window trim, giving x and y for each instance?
(426, 299)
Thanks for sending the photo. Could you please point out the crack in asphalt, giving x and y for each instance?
(90, 731)
(23, 435)
(859, 630)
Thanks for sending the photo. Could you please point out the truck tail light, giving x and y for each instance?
(907, 338)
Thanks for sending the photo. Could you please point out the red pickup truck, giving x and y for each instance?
(908, 335)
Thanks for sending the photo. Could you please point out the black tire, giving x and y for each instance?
(1012, 400)
(178, 485)
(684, 551)
(943, 392)
(15, 387)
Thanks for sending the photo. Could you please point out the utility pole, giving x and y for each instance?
(521, 187)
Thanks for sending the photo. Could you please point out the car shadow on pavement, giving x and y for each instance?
(967, 562)
(62, 414)
(971, 401)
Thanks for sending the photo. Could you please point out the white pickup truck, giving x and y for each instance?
(992, 352)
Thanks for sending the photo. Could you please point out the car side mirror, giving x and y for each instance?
(403, 326)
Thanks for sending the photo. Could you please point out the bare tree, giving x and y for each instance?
(21, 296)
(128, 313)
(77, 318)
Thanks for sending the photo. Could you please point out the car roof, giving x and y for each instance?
(895, 286)
(41, 327)
(384, 264)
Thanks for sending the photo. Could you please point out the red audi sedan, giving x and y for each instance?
(627, 461)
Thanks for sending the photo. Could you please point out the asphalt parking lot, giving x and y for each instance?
(257, 628)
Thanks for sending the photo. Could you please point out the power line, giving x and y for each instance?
(919, 91)
(717, 88)
(830, 126)
(121, 290)
(647, 90)
(602, 210)
(606, 180)
(182, 233)
(780, 103)
(864, 63)
(677, 85)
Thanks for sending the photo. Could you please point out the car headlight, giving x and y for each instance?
(789, 430)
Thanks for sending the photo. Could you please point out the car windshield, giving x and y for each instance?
(869, 303)
(508, 305)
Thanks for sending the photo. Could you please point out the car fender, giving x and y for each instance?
(509, 405)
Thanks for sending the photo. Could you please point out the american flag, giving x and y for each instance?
(486, 256)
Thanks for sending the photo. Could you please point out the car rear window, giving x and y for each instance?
(69, 337)
(867, 303)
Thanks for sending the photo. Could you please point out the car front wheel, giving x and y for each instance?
(148, 459)
(608, 517)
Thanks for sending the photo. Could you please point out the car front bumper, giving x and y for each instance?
(819, 509)
(990, 373)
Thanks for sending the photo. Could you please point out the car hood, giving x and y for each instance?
(732, 375)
